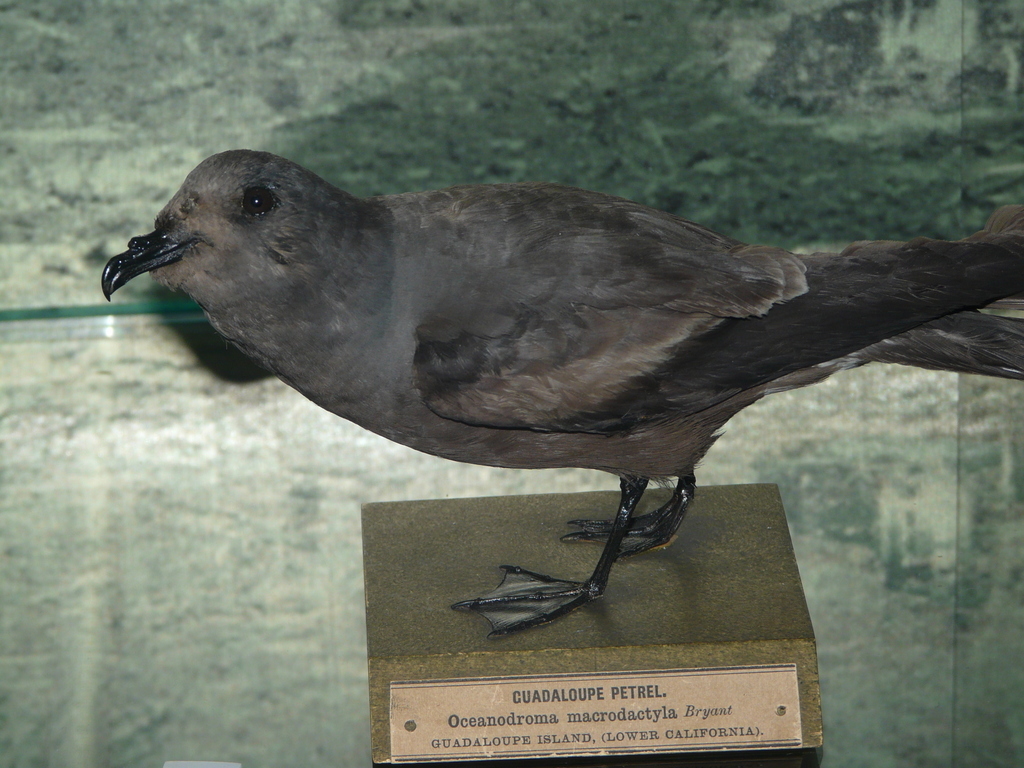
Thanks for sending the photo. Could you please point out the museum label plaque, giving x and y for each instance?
(712, 629)
(756, 707)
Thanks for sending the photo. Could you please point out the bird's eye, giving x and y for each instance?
(258, 200)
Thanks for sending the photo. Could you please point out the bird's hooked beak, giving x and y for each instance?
(145, 253)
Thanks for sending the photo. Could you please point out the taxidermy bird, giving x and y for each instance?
(537, 325)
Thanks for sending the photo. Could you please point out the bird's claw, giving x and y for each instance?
(632, 543)
(599, 527)
(645, 532)
(525, 599)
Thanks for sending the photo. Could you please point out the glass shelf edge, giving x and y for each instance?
(94, 322)
(164, 308)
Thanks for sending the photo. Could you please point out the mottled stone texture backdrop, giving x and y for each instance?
(179, 549)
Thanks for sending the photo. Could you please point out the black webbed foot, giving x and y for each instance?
(525, 599)
(655, 529)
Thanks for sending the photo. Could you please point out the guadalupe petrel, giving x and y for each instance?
(536, 325)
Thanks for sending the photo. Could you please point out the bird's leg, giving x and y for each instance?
(655, 529)
(525, 599)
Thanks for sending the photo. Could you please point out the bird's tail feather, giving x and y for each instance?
(1009, 218)
(965, 342)
(1006, 219)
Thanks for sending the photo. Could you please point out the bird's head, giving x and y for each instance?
(243, 222)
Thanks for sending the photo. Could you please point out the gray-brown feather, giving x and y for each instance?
(653, 316)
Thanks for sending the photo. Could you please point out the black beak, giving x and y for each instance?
(144, 253)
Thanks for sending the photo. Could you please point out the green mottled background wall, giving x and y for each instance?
(179, 550)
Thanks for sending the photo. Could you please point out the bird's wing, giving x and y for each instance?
(567, 326)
